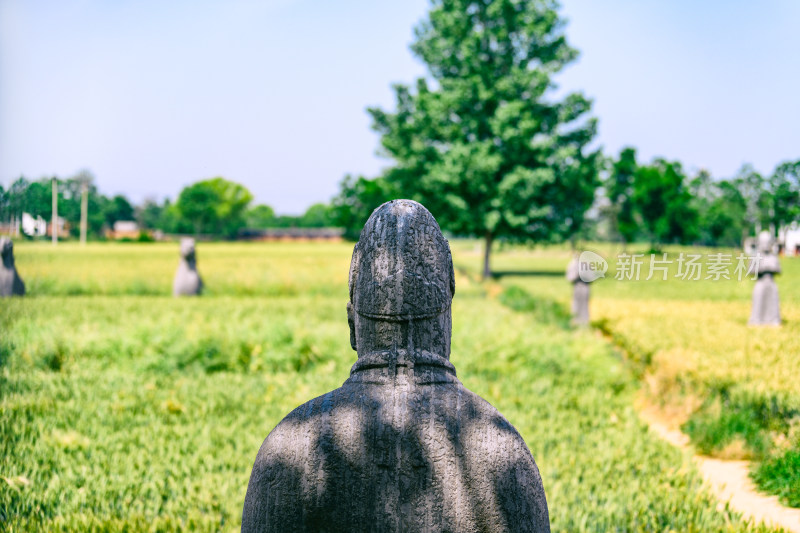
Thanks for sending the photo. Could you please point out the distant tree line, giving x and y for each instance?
(627, 201)
(216, 207)
(660, 203)
(223, 208)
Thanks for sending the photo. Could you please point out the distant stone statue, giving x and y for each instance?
(187, 280)
(580, 293)
(10, 282)
(402, 445)
(766, 306)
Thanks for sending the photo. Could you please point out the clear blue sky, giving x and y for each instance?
(151, 95)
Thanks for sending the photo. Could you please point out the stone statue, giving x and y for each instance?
(766, 308)
(187, 280)
(401, 446)
(10, 282)
(580, 293)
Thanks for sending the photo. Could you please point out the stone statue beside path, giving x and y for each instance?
(766, 306)
(580, 293)
(187, 280)
(402, 445)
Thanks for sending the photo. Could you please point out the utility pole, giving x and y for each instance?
(54, 229)
(84, 208)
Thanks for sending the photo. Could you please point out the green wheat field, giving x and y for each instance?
(125, 409)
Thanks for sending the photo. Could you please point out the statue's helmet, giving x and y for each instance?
(401, 267)
(187, 247)
(765, 242)
(6, 246)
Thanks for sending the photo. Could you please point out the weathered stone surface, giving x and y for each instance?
(187, 280)
(580, 293)
(402, 445)
(766, 305)
(10, 282)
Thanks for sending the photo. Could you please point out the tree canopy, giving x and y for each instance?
(215, 206)
(357, 198)
(619, 189)
(662, 201)
(481, 141)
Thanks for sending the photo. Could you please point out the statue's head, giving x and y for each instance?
(401, 282)
(765, 242)
(6, 247)
(187, 248)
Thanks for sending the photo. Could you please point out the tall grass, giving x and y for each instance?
(691, 343)
(124, 412)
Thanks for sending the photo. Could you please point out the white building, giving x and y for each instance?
(34, 227)
(123, 229)
(790, 237)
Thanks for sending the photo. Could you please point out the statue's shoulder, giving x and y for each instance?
(300, 421)
(491, 439)
(296, 435)
(279, 479)
(494, 450)
(480, 409)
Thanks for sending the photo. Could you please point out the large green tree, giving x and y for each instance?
(118, 208)
(782, 200)
(662, 201)
(724, 220)
(751, 187)
(38, 198)
(316, 216)
(357, 198)
(215, 206)
(619, 190)
(259, 217)
(482, 141)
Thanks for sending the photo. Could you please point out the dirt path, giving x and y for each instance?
(730, 482)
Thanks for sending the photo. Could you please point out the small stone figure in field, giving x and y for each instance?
(766, 307)
(187, 279)
(402, 445)
(10, 282)
(580, 293)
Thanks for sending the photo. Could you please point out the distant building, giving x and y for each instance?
(34, 227)
(789, 238)
(292, 234)
(62, 226)
(124, 229)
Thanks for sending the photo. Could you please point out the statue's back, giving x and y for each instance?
(402, 446)
(415, 452)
